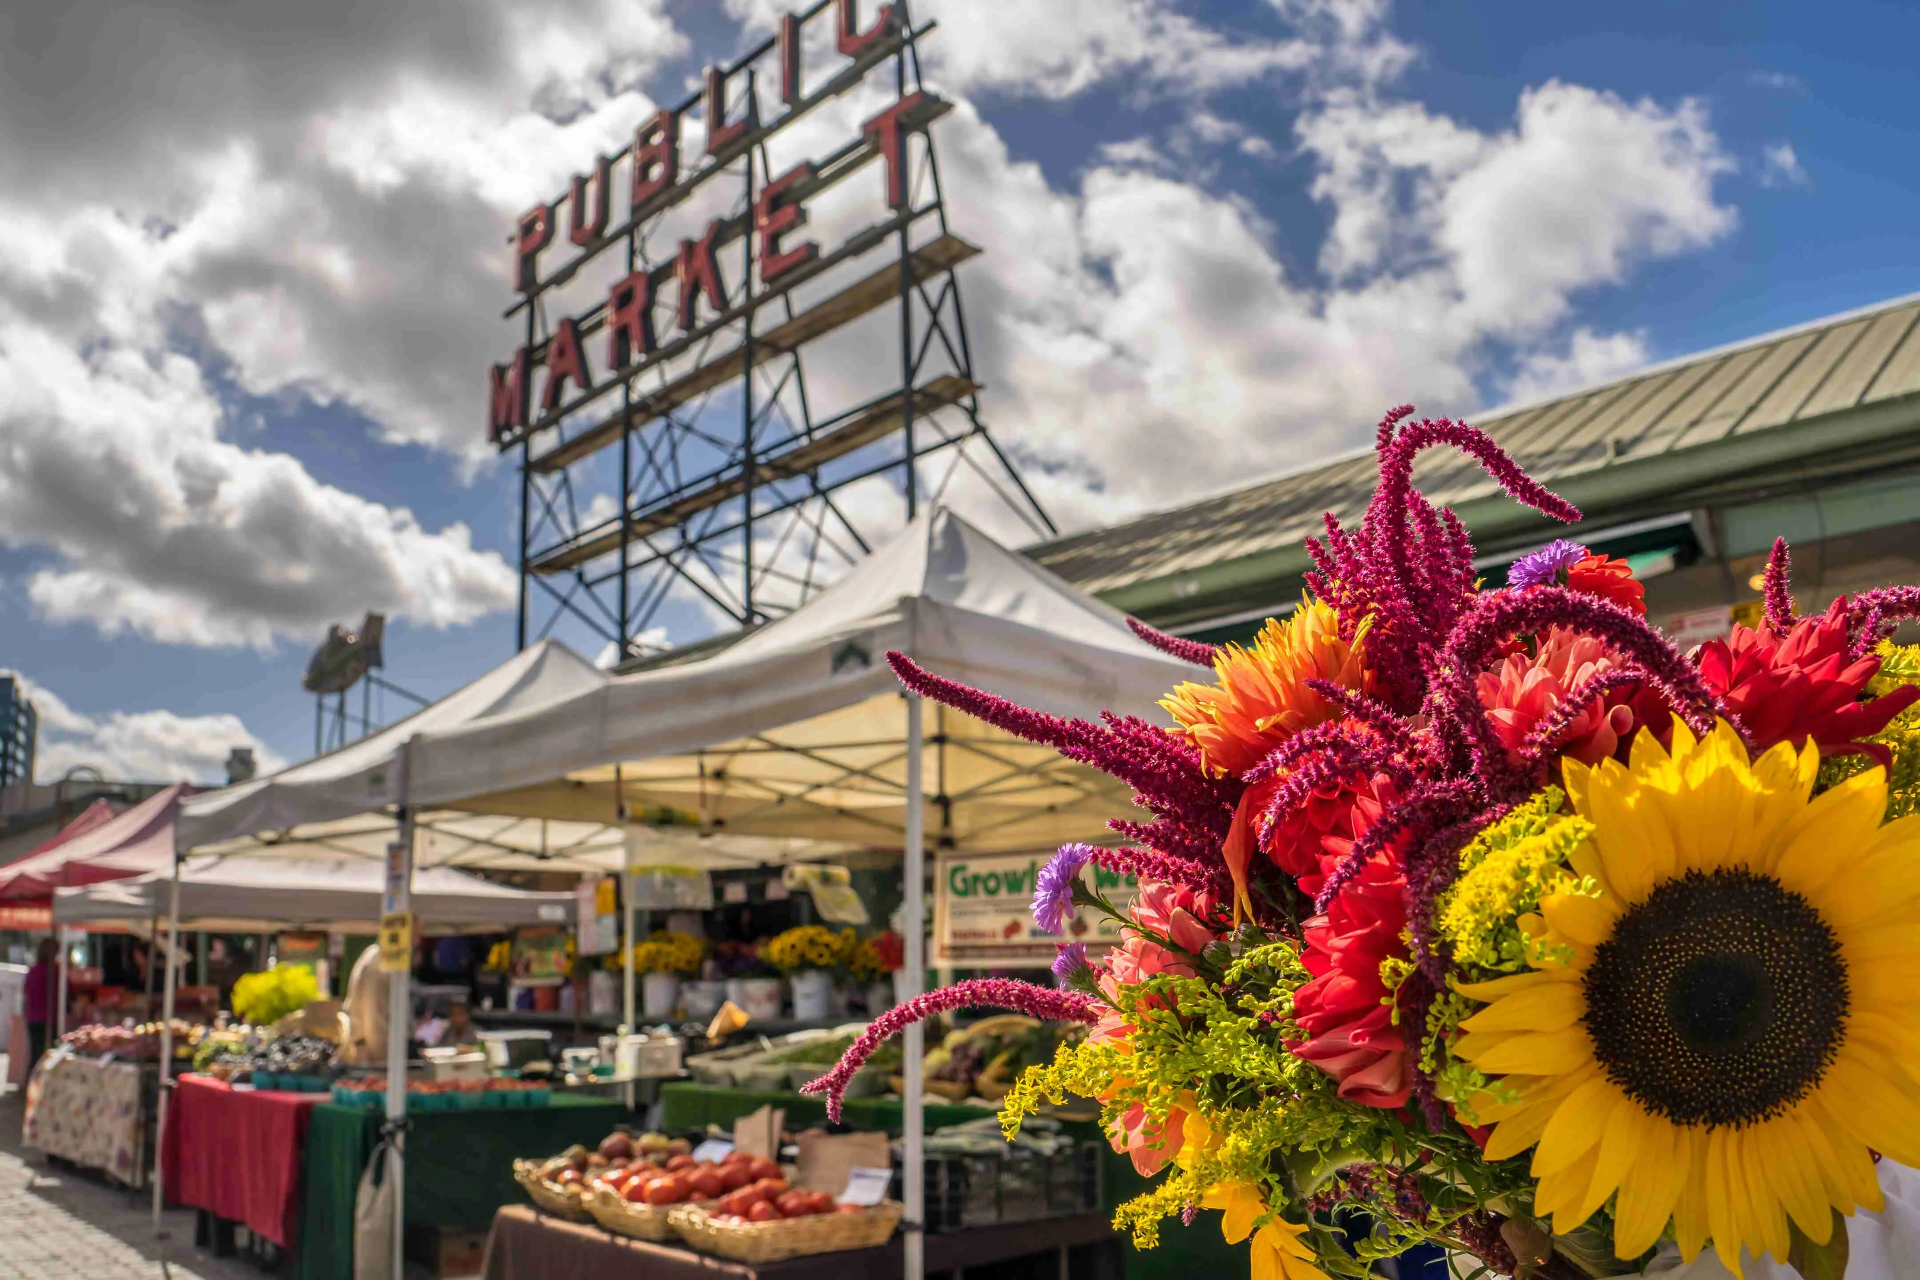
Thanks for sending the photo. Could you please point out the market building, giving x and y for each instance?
(1688, 469)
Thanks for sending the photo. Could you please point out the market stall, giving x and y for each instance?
(801, 729)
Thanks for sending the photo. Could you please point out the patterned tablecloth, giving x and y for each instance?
(88, 1111)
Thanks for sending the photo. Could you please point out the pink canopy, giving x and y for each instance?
(127, 844)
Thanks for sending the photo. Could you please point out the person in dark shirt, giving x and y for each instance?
(42, 990)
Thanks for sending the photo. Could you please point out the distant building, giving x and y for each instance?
(19, 730)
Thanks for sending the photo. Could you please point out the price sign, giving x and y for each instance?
(866, 1186)
(396, 943)
(713, 1149)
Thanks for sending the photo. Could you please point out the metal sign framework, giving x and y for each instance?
(741, 503)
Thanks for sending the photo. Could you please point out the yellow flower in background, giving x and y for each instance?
(809, 946)
(668, 952)
(1277, 1252)
(1724, 1022)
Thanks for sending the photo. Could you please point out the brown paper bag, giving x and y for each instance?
(758, 1132)
(827, 1158)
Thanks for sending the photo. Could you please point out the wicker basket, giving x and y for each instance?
(640, 1221)
(550, 1196)
(757, 1242)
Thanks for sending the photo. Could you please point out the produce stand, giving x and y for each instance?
(528, 1245)
(93, 1112)
(459, 1168)
(235, 1154)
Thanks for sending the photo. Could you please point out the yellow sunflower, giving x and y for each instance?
(1720, 1034)
(1277, 1252)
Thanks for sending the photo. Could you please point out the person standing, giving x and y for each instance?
(43, 977)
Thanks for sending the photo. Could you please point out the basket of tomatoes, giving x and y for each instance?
(768, 1221)
(561, 1191)
(638, 1200)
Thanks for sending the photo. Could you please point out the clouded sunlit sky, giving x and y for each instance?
(251, 273)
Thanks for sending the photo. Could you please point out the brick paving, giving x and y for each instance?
(57, 1223)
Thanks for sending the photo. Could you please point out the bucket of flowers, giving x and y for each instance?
(662, 960)
(875, 960)
(809, 954)
(1483, 917)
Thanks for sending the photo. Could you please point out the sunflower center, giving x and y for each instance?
(1719, 1000)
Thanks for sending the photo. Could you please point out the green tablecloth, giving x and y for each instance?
(459, 1168)
(1183, 1252)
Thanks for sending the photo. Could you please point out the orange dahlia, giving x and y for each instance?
(1260, 697)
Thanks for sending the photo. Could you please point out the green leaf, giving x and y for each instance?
(1820, 1261)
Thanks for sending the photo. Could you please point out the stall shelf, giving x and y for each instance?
(235, 1153)
(459, 1168)
(528, 1245)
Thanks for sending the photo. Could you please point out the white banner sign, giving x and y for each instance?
(983, 917)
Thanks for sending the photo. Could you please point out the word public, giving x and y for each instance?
(651, 178)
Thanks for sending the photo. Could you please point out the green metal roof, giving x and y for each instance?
(1820, 402)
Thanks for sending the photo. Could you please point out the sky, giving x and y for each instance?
(252, 265)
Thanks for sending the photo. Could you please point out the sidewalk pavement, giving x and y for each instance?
(61, 1224)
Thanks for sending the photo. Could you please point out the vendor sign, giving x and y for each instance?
(598, 903)
(983, 914)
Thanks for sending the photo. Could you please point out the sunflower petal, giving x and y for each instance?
(1576, 1126)
(1648, 1192)
(1552, 1006)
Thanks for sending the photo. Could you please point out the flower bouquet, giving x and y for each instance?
(809, 946)
(877, 956)
(1483, 917)
(664, 951)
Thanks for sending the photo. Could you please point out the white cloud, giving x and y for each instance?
(1780, 167)
(138, 746)
(1589, 358)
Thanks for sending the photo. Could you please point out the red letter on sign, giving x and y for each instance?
(630, 319)
(787, 42)
(536, 233)
(774, 219)
(719, 132)
(846, 18)
(583, 228)
(698, 272)
(507, 396)
(890, 136)
(656, 157)
(564, 360)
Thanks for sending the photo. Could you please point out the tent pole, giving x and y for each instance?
(914, 1112)
(400, 1023)
(626, 931)
(166, 1047)
(65, 937)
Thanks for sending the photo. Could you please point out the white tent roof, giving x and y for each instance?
(256, 894)
(799, 729)
(363, 776)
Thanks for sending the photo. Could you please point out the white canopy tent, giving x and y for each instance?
(802, 729)
(337, 895)
(351, 806)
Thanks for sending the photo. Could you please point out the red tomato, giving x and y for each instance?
(668, 1190)
(773, 1187)
(734, 1176)
(568, 1177)
(707, 1184)
(676, 1163)
(761, 1167)
(762, 1212)
(634, 1192)
(822, 1202)
(850, 1208)
(794, 1204)
(739, 1157)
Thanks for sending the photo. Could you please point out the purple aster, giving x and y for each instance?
(1069, 962)
(1547, 566)
(1053, 888)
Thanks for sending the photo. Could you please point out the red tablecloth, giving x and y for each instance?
(237, 1154)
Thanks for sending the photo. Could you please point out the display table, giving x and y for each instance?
(236, 1153)
(91, 1112)
(529, 1245)
(459, 1168)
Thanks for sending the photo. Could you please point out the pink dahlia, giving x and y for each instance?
(1523, 691)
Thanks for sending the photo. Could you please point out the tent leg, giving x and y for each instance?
(166, 1048)
(627, 1011)
(913, 1177)
(65, 937)
(400, 1031)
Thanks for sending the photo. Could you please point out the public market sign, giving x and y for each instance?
(982, 914)
(671, 154)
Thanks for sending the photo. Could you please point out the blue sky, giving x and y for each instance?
(328, 205)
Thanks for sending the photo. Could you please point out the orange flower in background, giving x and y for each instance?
(1260, 697)
(1612, 580)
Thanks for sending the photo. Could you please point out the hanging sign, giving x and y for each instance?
(983, 912)
(396, 943)
(598, 906)
(301, 948)
(396, 888)
(832, 890)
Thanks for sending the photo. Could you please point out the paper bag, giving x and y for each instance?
(827, 1158)
(758, 1133)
